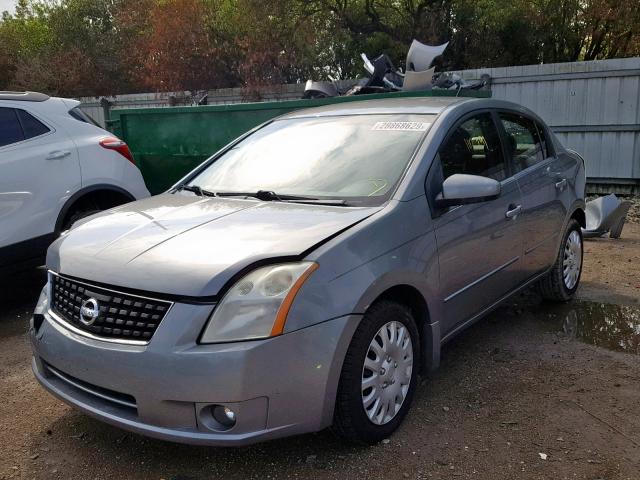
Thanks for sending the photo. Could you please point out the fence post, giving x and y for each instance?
(106, 109)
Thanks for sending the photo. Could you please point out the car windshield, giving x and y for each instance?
(357, 158)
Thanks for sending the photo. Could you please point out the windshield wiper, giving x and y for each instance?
(271, 196)
(318, 201)
(197, 190)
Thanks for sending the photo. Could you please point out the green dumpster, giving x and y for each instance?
(169, 142)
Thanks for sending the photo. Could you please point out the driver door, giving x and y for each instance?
(479, 245)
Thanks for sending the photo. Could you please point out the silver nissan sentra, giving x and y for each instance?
(306, 274)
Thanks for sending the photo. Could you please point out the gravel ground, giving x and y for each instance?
(518, 395)
(634, 212)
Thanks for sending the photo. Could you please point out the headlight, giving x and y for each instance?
(258, 304)
(43, 301)
(38, 314)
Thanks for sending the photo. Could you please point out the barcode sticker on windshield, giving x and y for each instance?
(402, 126)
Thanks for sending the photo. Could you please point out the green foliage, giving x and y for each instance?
(97, 47)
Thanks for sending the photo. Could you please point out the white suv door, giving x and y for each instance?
(39, 170)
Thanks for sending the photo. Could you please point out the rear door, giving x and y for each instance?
(542, 181)
(39, 170)
(479, 246)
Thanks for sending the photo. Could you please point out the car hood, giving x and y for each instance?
(185, 245)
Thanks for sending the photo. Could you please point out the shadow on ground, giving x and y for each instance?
(18, 296)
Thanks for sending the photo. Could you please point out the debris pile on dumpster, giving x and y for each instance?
(384, 77)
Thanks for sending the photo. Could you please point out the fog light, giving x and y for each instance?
(224, 416)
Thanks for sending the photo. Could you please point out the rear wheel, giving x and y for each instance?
(379, 374)
(561, 283)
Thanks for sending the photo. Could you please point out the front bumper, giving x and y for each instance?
(278, 387)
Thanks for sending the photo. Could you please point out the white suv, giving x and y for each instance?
(56, 166)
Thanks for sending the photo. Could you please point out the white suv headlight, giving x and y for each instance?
(258, 304)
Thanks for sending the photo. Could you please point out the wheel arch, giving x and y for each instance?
(411, 294)
(576, 211)
(98, 191)
(580, 216)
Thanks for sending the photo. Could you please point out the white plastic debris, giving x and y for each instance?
(421, 56)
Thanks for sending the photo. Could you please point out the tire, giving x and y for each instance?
(77, 215)
(555, 286)
(351, 421)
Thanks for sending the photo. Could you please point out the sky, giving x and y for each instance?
(7, 5)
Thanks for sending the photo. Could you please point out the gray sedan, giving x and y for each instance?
(305, 275)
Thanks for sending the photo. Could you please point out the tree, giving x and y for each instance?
(98, 47)
(178, 53)
(23, 38)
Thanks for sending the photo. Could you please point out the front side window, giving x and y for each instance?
(31, 126)
(358, 158)
(10, 130)
(524, 144)
(474, 148)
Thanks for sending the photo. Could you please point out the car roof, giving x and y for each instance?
(404, 105)
(24, 96)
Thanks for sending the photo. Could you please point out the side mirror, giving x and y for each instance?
(461, 189)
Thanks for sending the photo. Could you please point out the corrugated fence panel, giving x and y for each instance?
(594, 107)
(613, 150)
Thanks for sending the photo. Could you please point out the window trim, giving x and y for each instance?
(503, 141)
(544, 132)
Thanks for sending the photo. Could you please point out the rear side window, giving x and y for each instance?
(10, 130)
(31, 126)
(474, 148)
(81, 116)
(523, 141)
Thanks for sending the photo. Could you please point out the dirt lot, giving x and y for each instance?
(522, 394)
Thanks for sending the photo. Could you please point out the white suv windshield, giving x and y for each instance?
(358, 158)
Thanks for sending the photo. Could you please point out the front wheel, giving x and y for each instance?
(379, 374)
(562, 281)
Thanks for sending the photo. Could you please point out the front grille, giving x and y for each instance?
(121, 316)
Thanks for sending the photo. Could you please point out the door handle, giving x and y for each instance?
(58, 154)
(561, 184)
(513, 212)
